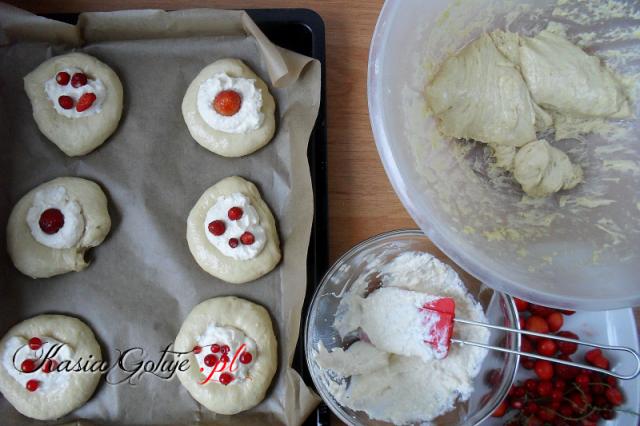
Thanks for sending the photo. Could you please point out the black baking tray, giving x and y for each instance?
(300, 30)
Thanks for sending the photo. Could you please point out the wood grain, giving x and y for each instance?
(362, 202)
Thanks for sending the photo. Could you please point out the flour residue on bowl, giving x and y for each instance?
(596, 223)
(383, 381)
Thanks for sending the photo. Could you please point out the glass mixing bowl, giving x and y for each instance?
(498, 369)
(563, 251)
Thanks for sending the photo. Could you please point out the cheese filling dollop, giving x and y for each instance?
(17, 351)
(238, 343)
(248, 118)
(56, 197)
(54, 90)
(249, 222)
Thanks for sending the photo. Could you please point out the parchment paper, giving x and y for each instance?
(143, 281)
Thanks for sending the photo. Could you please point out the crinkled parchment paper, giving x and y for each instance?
(142, 281)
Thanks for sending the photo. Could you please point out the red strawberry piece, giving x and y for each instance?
(35, 343)
(227, 102)
(246, 358)
(62, 78)
(247, 238)
(65, 102)
(51, 220)
(217, 227)
(78, 79)
(226, 378)
(235, 213)
(233, 242)
(32, 385)
(85, 102)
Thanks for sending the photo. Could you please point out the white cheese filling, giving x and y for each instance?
(249, 117)
(249, 222)
(57, 198)
(17, 351)
(238, 344)
(54, 90)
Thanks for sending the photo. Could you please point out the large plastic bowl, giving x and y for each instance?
(557, 252)
(496, 373)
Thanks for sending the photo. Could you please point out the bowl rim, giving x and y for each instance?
(353, 251)
(436, 235)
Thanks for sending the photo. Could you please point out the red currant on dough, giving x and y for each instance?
(63, 78)
(233, 242)
(28, 366)
(51, 220)
(217, 227)
(197, 349)
(35, 343)
(246, 358)
(225, 349)
(235, 213)
(32, 385)
(247, 238)
(78, 79)
(65, 102)
(215, 348)
(210, 360)
(226, 378)
(49, 366)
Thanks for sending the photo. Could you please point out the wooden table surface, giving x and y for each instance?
(362, 202)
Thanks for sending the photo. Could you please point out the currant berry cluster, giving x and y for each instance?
(30, 365)
(220, 353)
(219, 227)
(559, 395)
(77, 80)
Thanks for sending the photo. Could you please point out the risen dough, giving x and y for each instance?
(502, 88)
(39, 261)
(478, 94)
(223, 143)
(564, 79)
(210, 258)
(75, 136)
(255, 322)
(542, 169)
(81, 385)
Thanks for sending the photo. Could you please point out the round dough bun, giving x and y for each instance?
(223, 143)
(254, 321)
(39, 261)
(210, 258)
(75, 136)
(81, 385)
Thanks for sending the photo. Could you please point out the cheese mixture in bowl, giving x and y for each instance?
(366, 330)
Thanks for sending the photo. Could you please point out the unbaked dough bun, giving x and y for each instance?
(245, 318)
(75, 133)
(226, 143)
(217, 260)
(84, 206)
(58, 392)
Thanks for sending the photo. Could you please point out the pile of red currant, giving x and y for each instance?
(560, 394)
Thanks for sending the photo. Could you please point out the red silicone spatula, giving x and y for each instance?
(441, 320)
